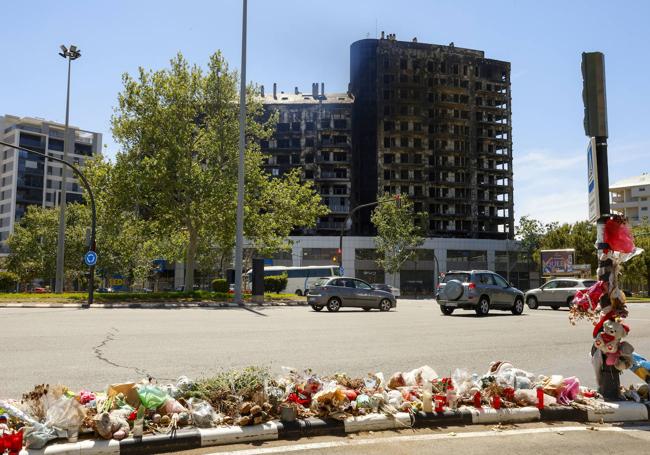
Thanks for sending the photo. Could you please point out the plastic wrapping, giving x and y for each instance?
(588, 299)
(151, 396)
(202, 413)
(65, 414)
(618, 235)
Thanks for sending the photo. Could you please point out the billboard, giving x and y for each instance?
(557, 262)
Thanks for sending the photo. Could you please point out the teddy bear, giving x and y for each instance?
(112, 426)
(619, 353)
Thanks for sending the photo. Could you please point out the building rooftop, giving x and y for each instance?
(639, 180)
(306, 98)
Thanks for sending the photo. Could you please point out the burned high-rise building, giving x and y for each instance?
(433, 122)
(314, 133)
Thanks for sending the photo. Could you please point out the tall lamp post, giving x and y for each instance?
(239, 237)
(69, 54)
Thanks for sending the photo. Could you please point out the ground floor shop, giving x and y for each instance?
(418, 276)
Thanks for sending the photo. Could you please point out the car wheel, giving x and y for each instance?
(518, 307)
(446, 310)
(531, 302)
(299, 293)
(334, 304)
(365, 308)
(555, 307)
(385, 305)
(317, 307)
(483, 307)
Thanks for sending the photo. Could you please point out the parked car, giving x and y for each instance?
(386, 287)
(556, 293)
(336, 292)
(478, 290)
(40, 290)
(105, 290)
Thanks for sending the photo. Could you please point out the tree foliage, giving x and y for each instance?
(33, 244)
(398, 234)
(179, 131)
(637, 270)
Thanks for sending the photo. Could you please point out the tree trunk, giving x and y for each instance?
(190, 260)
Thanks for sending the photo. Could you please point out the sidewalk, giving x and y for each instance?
(276, 430)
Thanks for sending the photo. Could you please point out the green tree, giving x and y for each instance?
(33, 244)
(179, 131)
(530, 233)
(637, 269)
(127, 244)
(398, 233)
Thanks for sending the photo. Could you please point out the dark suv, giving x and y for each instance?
(478, 290)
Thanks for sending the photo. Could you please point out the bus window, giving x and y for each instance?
(297, 273)
(336, 271)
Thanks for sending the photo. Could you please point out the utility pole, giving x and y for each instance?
(69, 54)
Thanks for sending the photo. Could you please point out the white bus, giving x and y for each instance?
(299, 278)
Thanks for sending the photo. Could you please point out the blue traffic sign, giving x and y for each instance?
(90, 258)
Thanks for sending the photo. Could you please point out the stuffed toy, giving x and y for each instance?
(619, 353)
(112, 426)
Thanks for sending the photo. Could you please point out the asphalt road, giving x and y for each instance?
(92, 348)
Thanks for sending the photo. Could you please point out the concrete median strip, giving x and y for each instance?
(274, 430)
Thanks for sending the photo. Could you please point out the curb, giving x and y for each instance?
(274, 430)
(153, 305)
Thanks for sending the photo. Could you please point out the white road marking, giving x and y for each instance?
(425, 437)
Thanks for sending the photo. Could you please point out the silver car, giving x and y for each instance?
(556, 293)
(478, 290)
(336, 292)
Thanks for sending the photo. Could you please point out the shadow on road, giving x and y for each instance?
(489, 315)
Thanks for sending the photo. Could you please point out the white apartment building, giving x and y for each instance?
(631, 197)
(28, 179)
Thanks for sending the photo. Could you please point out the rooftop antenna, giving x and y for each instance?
(376, 28)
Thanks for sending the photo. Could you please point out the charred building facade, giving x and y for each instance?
(314, 134)
(433, 122)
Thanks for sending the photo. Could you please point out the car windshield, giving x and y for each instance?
(462, 277)
(321, 282)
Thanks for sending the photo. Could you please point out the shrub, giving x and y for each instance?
(219, 285)
(275, 283)
(8, 281)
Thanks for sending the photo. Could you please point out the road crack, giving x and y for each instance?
(100, 354)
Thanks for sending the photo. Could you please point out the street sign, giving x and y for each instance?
(90, 258)
(592, 181)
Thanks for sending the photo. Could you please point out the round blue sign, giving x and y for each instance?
(90, 258)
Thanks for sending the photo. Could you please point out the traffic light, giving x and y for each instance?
(593, 94)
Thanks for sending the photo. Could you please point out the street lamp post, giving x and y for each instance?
(69, 54)
(239, 237)
(348, 218)
(91, 284)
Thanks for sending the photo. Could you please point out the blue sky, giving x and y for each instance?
(296, 43)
